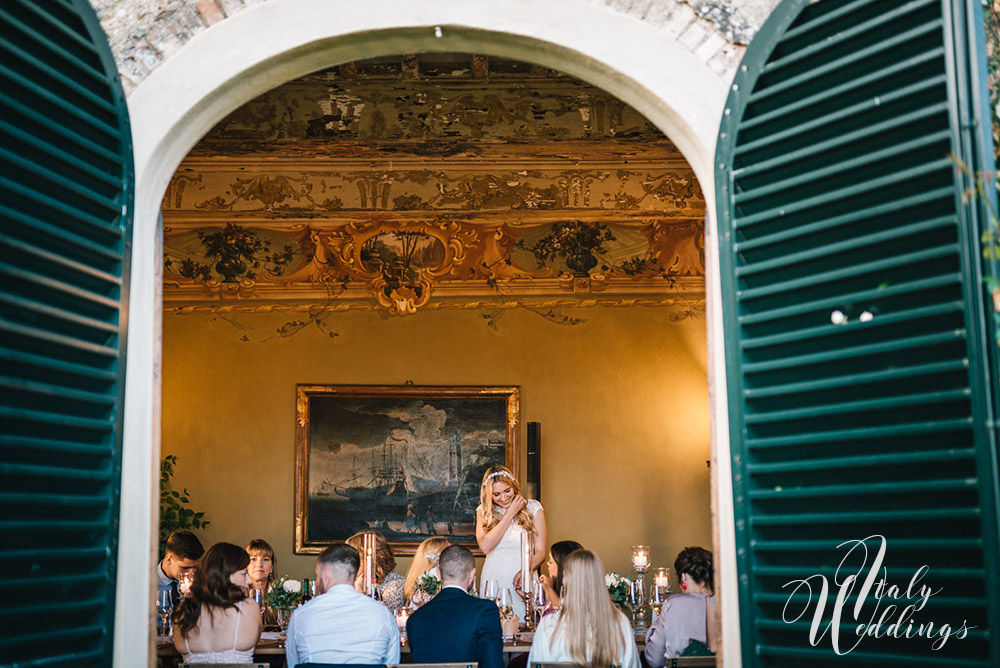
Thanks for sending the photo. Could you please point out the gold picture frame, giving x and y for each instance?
(405, 460)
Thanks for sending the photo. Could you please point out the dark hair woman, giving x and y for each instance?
(554, 580)
(685, 617)
(217, 623)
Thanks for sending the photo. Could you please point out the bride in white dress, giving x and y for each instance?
(502, 517)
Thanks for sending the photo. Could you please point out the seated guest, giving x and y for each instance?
(552, 583)
(425, 559)
(390, 583)
(341, 625)
(183, 550)
(263, 564)
(589, 630)
(263, 570)
(684, 618)
(217, 623)
(454, 627)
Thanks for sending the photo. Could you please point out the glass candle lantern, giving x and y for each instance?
(640, 562)
(640, 558)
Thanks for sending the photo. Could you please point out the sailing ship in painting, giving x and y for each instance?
(415, 483)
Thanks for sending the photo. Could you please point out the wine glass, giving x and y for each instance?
(508, 622)
(633, 598)
(490, 590)
(539, 603)
(164, 608)
(506, 602)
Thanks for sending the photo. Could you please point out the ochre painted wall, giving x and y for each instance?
(622, 399)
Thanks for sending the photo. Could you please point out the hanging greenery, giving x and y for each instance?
(991, 14)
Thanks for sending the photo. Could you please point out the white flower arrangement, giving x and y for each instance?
(284, 594)
(618, 587)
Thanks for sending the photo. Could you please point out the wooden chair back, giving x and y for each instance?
(690, 661)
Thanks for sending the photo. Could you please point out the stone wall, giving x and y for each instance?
(144, 33)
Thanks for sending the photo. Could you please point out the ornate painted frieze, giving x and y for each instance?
(447, 188)
(401, 262)
(381, 109)
(348, 189)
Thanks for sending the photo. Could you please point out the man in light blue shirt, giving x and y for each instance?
(341, 625)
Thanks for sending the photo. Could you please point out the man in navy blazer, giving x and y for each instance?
(454, 627)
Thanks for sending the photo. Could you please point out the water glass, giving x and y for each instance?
(258, 596)
(164, 608)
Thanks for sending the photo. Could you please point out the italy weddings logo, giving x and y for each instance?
(882, 609)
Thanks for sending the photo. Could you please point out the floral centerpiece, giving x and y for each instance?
(284, 595)
(429, 583)
(618, 587)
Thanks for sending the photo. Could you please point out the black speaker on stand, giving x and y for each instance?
(534, 450)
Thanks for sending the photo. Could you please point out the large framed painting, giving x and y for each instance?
(404, 460)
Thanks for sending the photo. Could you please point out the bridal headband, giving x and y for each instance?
(497, 474)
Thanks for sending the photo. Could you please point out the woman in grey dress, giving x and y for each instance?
(685, 616)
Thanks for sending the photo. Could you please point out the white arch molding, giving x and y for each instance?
(270, 43)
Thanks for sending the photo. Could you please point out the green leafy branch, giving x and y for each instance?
(175, 515)
(990, 236)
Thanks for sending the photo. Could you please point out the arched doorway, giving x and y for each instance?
(281, 40)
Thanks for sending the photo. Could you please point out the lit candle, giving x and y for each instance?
(401, 619)
(369, 571)
(640, 557)
(369, 547)
(526, 562)
(662, 580)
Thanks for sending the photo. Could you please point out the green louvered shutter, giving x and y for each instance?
(836, 192)
(66, 189)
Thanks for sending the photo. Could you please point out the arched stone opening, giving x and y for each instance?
(239, 58)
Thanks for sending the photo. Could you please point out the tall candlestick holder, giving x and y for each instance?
(640, 562)
(368, 547)
(527, 585)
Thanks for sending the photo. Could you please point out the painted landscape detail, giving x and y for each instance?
(409, 467)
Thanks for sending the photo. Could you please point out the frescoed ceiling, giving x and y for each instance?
(439, 181)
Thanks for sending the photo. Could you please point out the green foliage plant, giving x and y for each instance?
(175, 515)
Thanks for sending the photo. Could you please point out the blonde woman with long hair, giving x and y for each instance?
(424, 559)
(502, 517)
(589, 630)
